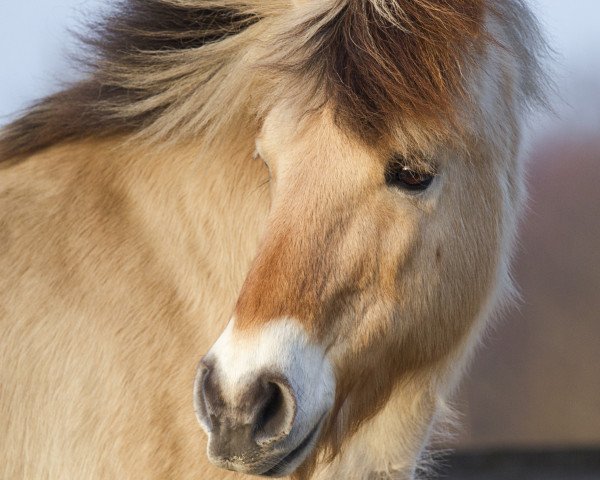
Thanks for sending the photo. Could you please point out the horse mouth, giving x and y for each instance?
(291, 461)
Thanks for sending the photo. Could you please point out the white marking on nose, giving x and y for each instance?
(283, 348)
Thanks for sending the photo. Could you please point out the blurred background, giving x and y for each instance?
(536, 381)
(534, 386)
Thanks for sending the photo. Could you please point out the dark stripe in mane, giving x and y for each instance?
(380, 62)
(159, 25)
(140, 37)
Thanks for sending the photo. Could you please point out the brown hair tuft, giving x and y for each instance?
(380, 62)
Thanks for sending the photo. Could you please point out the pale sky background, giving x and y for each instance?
(34, 42)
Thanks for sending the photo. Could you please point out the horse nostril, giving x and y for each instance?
(269, 415)
(275, 410)
(208, 401)
(260, 414)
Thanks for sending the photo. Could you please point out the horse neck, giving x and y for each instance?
(201, 208)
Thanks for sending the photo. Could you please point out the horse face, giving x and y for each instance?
(373, 266)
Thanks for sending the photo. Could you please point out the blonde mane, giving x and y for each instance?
(167, 70)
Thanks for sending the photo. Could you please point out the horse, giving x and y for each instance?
(287, 220)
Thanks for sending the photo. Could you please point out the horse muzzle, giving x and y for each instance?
(263, 399)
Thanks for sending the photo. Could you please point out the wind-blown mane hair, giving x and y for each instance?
(170, 69)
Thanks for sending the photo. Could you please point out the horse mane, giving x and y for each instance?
(169, 69)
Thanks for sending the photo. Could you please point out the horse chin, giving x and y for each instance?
(290, 462)
(285, 461)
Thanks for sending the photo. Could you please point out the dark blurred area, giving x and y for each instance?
(521, 465)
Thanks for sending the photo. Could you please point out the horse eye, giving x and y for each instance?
(400, 176)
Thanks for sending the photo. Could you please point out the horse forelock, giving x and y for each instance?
(383, 64)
